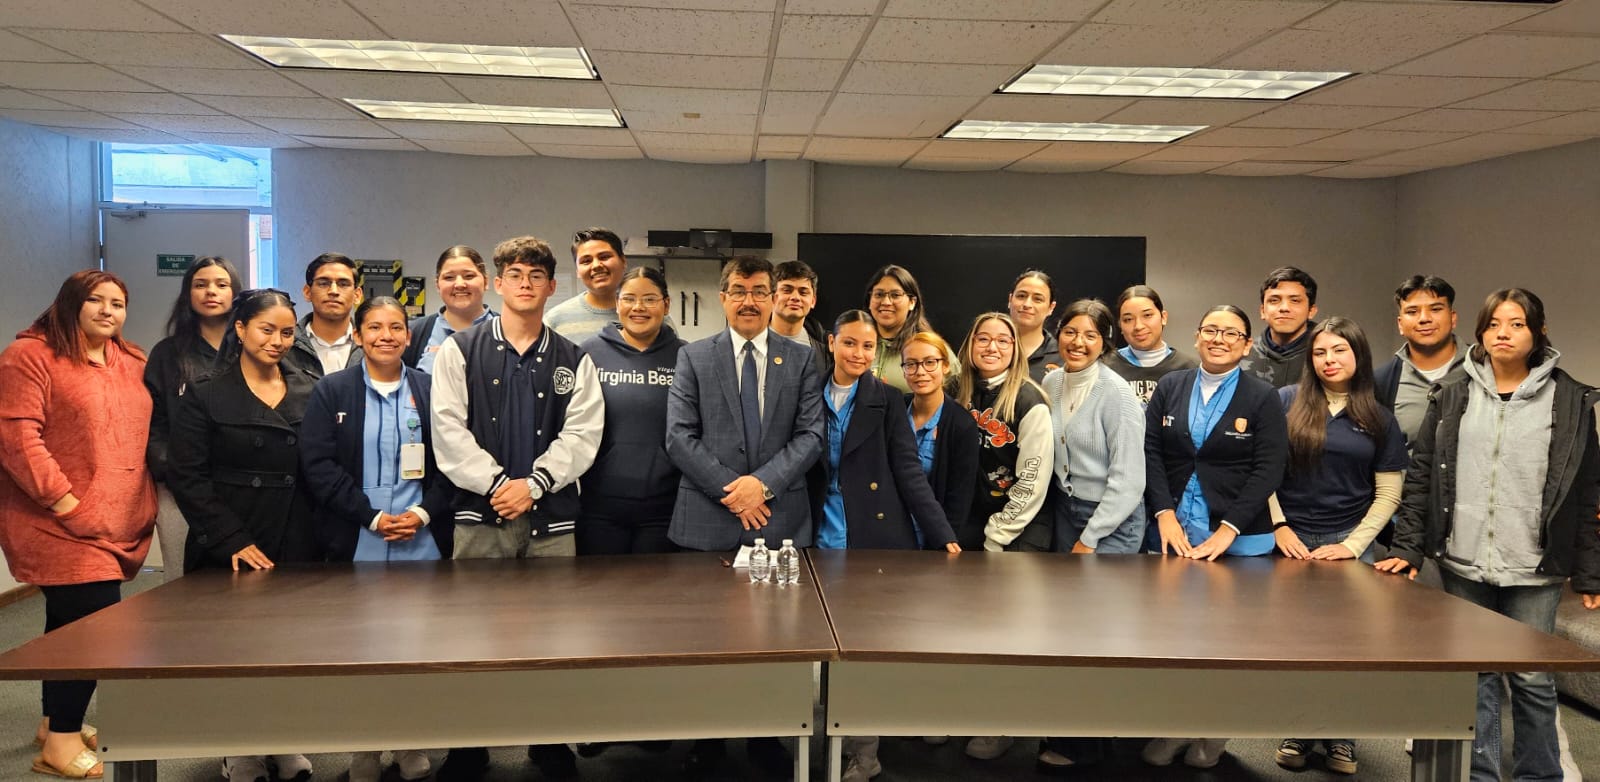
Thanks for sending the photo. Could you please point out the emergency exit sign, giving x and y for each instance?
(172, 265)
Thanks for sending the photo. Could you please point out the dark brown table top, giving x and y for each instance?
(478, 615)
(1263, 613)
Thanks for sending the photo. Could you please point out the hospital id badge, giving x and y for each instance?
(412, 459)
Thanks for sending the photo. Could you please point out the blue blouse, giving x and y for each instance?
(1193, 511)
(832, 533)
(391, 420)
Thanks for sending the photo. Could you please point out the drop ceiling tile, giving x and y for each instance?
(667, 31)
(1186, 111)
(996, 149)
(629, 152)
(476, 132)
(902, 116)
(1255, 137)
(787, 124)
(551, 135)
(1184, 153)
(1048, 108)
(680, 70)
(261, 139)
(1256, 168)
(1016, 44)
(1381, 140)
(1262, 14)
(1543, 95)
(136, 102)
(1423, 92)
(909, 78)
(1465, 120)
(261, 82)
(700, 156)
(676, 122)
(1022, 10)
(832, 7)
(1091, 150)
(1590, 73)
(66, 119)
(179, 123)
(811, 36)
(1363, 171)
(1506, 55)
(302, 128)
(1152, 45)
(923, 163)
(879, 148)
(781, 147)
(314, 19)
(563, 93)
(1311, 153)
(1473, 148)
(1303, 115)
(690, 5)
(343, 142)
(152, 49)
(1354, 50)
(800, 75)
(704, 142)
(15, 48)
(135, 136)
(68, 76)
(487, 22)
(1571, 18)
(17, 99)
(85, 15)
(1035, 166)
(377, 86)
(511, 148)
(682, 99)
(1374, 16)
(1582, 123)
(282, 108)
(1162, 167)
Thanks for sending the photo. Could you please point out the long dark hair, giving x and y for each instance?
(183, 325)
(1532, 314)
(246, 306)
(58, 325)
(1308, 413)
(916, 318)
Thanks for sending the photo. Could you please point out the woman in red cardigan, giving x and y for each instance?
(76, 503)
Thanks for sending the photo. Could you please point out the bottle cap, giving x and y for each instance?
(788, 542)
(761, 541)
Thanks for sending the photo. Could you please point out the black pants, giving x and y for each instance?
(66, 702)
(605, 533)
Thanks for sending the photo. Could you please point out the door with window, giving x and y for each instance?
(150, 249)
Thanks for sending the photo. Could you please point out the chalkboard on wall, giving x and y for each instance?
(963, 276)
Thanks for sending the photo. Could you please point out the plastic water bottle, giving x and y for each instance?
(760, 562)
(788, 564)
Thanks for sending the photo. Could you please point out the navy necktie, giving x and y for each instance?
(750, 403)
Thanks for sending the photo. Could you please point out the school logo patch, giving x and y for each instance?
(564, 380)
(1240, 424)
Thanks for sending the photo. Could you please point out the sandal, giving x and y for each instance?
(91, 737)
(81, 767)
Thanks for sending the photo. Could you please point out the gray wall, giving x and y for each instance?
(47, 228)
(1211, 238)
(1529, 220)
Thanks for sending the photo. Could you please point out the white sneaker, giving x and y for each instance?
(1161, 752)
(249, 768)
(292, 767)
(1204, 753)
(988, 747)
(366, 766)
(861, 768)
(414, 764)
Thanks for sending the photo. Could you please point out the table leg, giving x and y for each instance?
(835, 758)
(133, 771)
(802, 759)
(1440, 760)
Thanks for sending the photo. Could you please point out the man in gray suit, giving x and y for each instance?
(744, 423)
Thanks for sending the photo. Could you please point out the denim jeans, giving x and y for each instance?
(1314, 542)
(1535, 750)
(1072, 516)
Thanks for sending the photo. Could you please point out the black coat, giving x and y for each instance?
(234, 469)
(332, 451)
(955, 459)
(1240, 463)
(880, 476)
(165, 374)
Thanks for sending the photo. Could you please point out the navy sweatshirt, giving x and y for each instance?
(632, 474)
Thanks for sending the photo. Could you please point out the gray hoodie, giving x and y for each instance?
(1501, 464)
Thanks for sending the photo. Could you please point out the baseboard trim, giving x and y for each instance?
(17, 594)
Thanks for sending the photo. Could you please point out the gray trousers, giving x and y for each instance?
(511, 539)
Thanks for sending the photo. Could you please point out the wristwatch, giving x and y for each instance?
(534, 492)
(766, 493)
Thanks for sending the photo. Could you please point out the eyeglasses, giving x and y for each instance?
(1228, 336)
(984, 340)
(1070, 335)
(894, 296)
(629, 300)
(927, 365)
(740, 294)
(516, 277)
(323, 284)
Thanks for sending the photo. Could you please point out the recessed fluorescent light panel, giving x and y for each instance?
(536, 61)
(1070, 131)
(1169, 82)
(479, 112)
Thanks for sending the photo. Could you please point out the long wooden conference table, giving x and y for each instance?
(500, 653)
